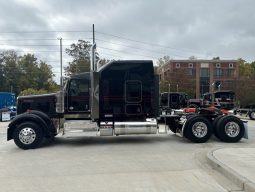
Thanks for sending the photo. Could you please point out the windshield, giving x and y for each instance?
(225, 95)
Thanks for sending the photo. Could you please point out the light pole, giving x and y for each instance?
(168, 100)
(61, 77)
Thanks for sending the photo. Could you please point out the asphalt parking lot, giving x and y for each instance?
(125, 163)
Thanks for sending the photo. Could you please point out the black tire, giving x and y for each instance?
(191, 115)
(30, 142)
(198, 129)
(252, 115)
(230, 129)
(215, 124)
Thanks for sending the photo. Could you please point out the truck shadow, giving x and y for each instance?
(116, 140)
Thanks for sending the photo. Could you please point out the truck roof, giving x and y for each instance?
(124, 62)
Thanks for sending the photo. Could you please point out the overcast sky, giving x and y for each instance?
(133, 29)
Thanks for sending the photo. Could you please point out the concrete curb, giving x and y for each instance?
(231, 174)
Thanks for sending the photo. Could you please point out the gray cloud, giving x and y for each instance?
(202, 28)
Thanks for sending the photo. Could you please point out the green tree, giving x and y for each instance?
(10, 71)
(18, 73)
(29, 67)
(163, 60)
(80, 53)
(216, 58)
(31, 91)
(45, 77)
(245, 88)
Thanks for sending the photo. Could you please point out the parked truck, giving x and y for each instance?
(247, 111)
(7, 99)
(173, 100)
(223, 99)
(122, 98)
(7, 105)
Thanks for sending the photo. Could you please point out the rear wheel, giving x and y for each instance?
(230, 129)
(28, 135)
(252, 115)
(198, 129)
(215, 124)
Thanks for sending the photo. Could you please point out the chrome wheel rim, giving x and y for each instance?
(253, 115)
(199, 129)
(27, 135)
(232, 129)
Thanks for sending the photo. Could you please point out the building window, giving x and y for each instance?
(191, 72)
(204, 72)
(190, 65)
(218, 72)
(230, 72)
(217, 65)
(231, 65)
(177, 65)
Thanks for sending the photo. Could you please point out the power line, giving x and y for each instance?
(44, 51)
(139, 48)
(31, 45)
(36, 39)
(126, 52)
(50, 39)
(112, 55)
(67, 31)
(146, 43)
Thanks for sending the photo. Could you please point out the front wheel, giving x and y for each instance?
(230, 129)
(28, 135)
(198, 129)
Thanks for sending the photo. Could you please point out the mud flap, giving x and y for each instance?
(245, 123)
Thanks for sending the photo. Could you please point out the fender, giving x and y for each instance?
(48, 121)
(26, 117)
(44, 116)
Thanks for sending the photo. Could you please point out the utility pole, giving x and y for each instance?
(168, 101)
(61, 77)
(92, 64)
(93, 30)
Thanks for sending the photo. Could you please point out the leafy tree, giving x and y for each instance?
(192, 57)
(31, 91)
(245, 88)
(216, 58)
(29, 67)
(245, 69)
(163, 60)
(22, 72)
(80, 52)
(45, 77)
(10, 71)
(102, 62)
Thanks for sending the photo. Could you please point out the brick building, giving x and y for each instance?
(200, 75)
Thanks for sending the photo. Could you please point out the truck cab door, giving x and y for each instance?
(133, 97)
(78, 96)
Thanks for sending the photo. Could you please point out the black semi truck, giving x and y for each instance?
(122, 98)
